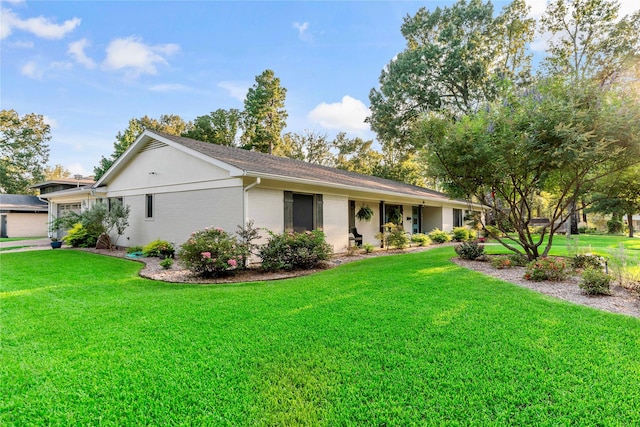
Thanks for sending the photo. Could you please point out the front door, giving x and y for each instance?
(415, 220)
(3, 226)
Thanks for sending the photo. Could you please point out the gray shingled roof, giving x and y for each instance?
(265, 164)
(21, 202)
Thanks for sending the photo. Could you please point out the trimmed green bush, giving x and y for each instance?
(79, 237)
(294, 251)
(439, 236)
(212, 252)
(166, 263)
(421, 239)
(158, 248)
(615, 226)
(546, 269)
(587, 261)
(518, 260)
(595, 282)
(133, 249)
(460, 234)
(469, 250)
(368, 247)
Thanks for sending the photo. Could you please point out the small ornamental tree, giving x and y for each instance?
(558, 138)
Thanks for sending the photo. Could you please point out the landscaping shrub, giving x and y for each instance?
(501, 262)
(79, 237)
(394, 236)
(460, 234)
(469, 250)
(439, 236)
(580, 261)
(96, 220)
(421, 239)
(166, 263)
(293, 251)
(518, 260)
(212, 252)
(492, 231)
(134, 249)
(595, 282)
(368, 247)
(586, 230)
(158, 248)
(546, 269)
(615, 226)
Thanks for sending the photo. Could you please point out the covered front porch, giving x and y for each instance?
(414, 218)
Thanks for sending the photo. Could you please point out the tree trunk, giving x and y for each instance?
(630, 220)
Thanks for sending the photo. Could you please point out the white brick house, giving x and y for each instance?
(176, 185)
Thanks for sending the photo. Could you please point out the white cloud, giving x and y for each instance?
(40, 26)
(137, 58)
(53, 123)
(20, 44)
(76, 50)
(236, 89)
(347, 115)
(303, 33)
(537, 7)
(32, 70)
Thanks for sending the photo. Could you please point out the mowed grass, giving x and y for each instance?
(397, 341)
(604, 245)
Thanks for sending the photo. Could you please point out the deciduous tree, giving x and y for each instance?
(560, 138)
(220, 127)
(168, 123)
(23, 151)
(455, 60)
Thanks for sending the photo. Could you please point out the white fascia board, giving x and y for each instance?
(69, 192)
(440, 200)
(148, 135)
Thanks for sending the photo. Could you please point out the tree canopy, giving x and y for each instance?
(455, 60)
(23, 151)
(220, 127)
(264, 114)
(168, 123)
(558, 137)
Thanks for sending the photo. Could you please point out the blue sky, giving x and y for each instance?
(89, 67)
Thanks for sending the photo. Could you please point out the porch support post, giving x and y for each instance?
(382, 221)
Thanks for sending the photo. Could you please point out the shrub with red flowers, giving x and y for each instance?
(212, 252)
(550, 269)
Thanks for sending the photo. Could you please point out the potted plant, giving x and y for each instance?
(55, 243)
(365, 213)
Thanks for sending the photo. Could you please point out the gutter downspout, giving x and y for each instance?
(49, 215)
(245, 204)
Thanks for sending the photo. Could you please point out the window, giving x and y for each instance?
(457, 218)
(148, 206)
(302, 212)
(112, 200)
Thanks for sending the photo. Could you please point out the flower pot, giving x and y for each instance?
(56, 245)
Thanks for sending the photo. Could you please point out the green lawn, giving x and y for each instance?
(396, 341)
(14, 239)
(605, 245)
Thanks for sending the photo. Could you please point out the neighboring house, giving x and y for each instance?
(72, 195)
(22, 216)
(176, 185)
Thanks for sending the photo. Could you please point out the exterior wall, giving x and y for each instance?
(23, 224)
(177, 214)
(266, 209)
(336, 221)
(432, 218)
(447, 218)
(163, 167)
